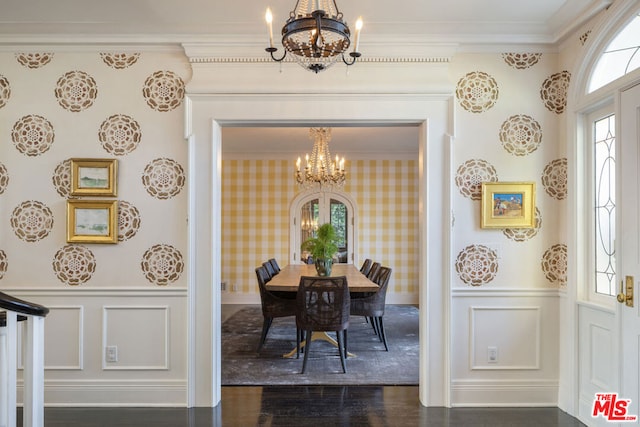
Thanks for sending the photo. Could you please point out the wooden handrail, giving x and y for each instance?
(23, 307)
(3, 318)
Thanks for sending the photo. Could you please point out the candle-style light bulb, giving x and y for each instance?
(298, 164)
(358, 28)
(269, 18)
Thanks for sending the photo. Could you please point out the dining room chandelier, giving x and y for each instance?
(316, 35)
(319, 169)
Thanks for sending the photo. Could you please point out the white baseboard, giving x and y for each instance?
(480, 393)
(240, 298)
(585, 414)
(124, 393)
(402, 299)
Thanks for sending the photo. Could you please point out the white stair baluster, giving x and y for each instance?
(33, 395)
(8, 370)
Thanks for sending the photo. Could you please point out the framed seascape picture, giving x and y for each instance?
(94, 177)
(508, 205)
(92, 221)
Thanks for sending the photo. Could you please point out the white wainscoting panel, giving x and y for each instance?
(141, 335)
(148, 325)
(522, 325)
(64, 338)
(516, 338)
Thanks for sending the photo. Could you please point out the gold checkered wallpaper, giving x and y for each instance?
(256, 198)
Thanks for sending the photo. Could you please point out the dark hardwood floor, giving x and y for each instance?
(311, 406)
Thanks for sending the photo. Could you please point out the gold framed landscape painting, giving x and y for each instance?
(94, 177)
(508, 205)
(92, 221)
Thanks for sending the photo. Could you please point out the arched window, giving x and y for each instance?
(620, 57)
(310, 209)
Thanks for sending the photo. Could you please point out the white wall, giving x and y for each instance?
(459, 319)
(132, 294)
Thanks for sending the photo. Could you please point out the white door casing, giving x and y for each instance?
(206, 114)
(629, 242)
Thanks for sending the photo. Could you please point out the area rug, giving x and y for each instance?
(369, 365)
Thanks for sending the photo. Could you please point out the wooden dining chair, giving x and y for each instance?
(372, 306)
(323, 305)
(280, 304)
(366, 266)
(270, 270)
(373, 272)
(275, 265)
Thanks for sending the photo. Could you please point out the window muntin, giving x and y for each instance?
(604, 189)
(620, 57)
(309, 214)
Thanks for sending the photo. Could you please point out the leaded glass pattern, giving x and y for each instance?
(620, 57)
(605, 205)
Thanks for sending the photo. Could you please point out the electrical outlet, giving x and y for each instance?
(492, 354)
(223, 286)
(235, 288)
(112, 353)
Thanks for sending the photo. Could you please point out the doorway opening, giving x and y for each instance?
(209, 113)
(259, 196)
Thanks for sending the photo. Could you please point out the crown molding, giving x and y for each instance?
(395, 49)
(39, 46)
(566, 27)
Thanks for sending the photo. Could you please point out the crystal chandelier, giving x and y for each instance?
(316, 35)
(319, 169)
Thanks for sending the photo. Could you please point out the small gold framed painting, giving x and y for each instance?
(508, 205)
(94, 177)
(92, 221)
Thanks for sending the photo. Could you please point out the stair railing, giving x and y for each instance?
(13, 310)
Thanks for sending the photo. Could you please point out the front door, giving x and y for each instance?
(629, 235)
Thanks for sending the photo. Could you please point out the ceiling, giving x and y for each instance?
(171, 21)
(543, 21)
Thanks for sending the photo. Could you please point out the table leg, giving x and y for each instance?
(314, 337)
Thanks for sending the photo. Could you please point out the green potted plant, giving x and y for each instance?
(322, 248)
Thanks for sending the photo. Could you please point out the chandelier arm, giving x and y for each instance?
(353, 55)
(271, 51)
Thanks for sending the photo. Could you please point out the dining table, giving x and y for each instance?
(288, 280)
